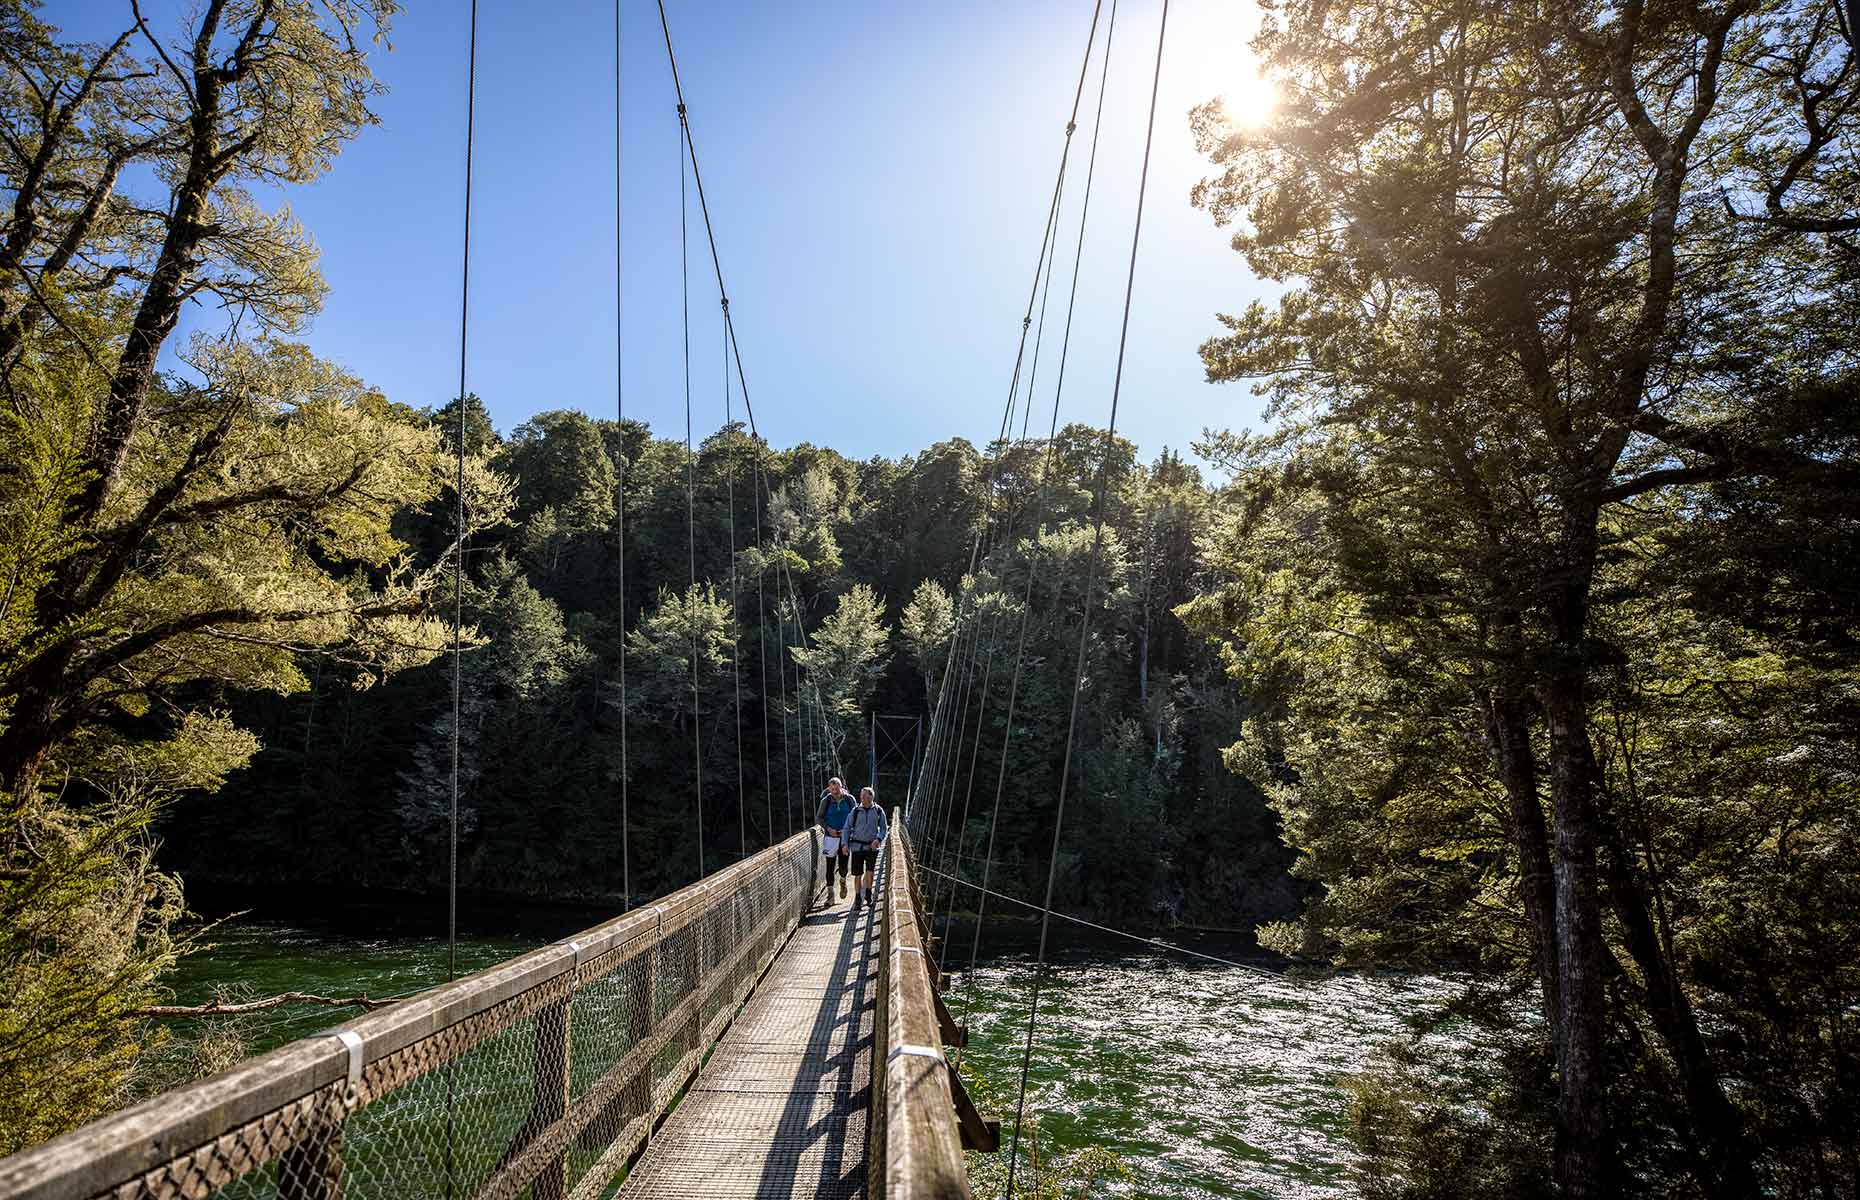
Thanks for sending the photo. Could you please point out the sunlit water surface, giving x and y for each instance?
(1208, 1080)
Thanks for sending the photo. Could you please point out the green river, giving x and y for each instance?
(1207, 1080)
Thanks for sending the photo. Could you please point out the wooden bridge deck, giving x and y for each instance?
(783, 1106)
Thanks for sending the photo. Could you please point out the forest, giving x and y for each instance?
(878, 554)
(1520, 642)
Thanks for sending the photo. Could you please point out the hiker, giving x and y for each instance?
(865, 836)
(836, 804)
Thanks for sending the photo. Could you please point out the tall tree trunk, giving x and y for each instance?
(1726, 1160)
(170, 277)
(1584, 1158)
(1508, 740)
(35, 723)
(1584, 1155)
(1143, 660)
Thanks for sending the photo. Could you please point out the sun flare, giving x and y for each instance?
(1252, 101)
(1215, 61)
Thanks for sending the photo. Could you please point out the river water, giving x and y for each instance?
(1206, 1080)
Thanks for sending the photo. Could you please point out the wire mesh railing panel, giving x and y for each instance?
(610, 1083)
(611, 1014)
(535, 1078)
(450, 1131)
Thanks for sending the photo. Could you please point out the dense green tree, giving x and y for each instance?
(167, 538)
(842, 667)
(928, 622)
(1519, 316)
(481, 440)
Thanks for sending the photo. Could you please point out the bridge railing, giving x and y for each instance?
(917, 1137)
(541, 1076)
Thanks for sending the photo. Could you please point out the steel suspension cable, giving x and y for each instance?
(1046, 294)
(936, 755)
(691, 599)
(811, 753)
(939, 716)
(458, 549)
(949, 858)
(1026, 324)
(1046, 474)
(458, 584)
(803, 733)
(626, 852)
(821, 736)
(939, 849)
(943, 850)
(950, 768)
(1154, 943)
(690, 153)
(736, 624)
(781, 675)
(1091, 576)
(762, 652)
(1050, 252)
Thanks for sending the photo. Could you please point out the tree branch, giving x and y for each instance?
(1664, 477)
(1739, 457)
(155, 635)
(125, 543)
(311, 500)
(187, 88)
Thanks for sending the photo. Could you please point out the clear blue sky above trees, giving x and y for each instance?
(878, 176)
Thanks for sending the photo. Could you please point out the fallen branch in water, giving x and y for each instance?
(222, 1009)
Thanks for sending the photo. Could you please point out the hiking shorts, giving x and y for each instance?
(863, 860)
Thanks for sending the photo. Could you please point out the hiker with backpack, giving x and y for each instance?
(836, 805)
(865, 832)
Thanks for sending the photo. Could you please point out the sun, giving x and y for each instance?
(1251, 102)
(1213, 60)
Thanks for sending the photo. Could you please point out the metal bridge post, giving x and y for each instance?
(312, 1169)
(551, 1097)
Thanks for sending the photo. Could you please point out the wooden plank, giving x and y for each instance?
(922, 1148)
(954, 1032)
(978, 1132)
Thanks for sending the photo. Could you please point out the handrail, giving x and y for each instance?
(916, 1140)
(607, 1027)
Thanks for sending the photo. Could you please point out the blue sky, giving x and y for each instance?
(878, 176)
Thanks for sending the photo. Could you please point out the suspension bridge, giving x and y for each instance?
(749, 1035)
(744, 1036)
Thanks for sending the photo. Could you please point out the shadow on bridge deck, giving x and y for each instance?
(784, 1104)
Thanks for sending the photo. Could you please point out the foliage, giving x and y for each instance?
(928, 621)
(86, 931)
(1535, 362)
(1436, 1124)
(168, 539)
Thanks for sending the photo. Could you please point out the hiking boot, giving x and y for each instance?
(842, 887)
